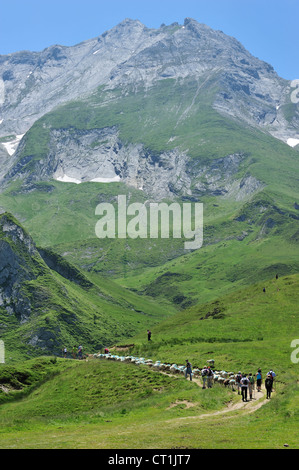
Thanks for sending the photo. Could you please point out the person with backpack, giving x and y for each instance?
(204, 375)
(259, 380)
(238, 381)
(244, 387)
(210, 376)
(188, 370)
(80, 352)
(272, 375)
(268, 385)
(250, 385)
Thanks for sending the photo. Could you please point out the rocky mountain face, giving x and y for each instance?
(33, 83)
(124, 60)
(18, 264)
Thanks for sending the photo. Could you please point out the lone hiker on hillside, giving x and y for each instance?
(149, 335)
(188, 369)
(80, 352)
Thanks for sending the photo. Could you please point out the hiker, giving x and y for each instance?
(272, 375)
(264, 289)
(238, 381)
(268, 385)
(188, 369)
(210, 376)
(244, 387)
(276, 276)
(64, 352)
(250, 385)
(106, 351)
(149, 335)
(259, 380)
(204, 375)
(80, 352)
(74, 352)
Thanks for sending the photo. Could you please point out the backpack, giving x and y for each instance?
(204, 372)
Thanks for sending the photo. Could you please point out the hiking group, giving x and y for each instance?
(76, 352)
(245, 382)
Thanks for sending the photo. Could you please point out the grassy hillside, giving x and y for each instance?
(245, 329)
(61, 403)
(44, 309)
(199, 305)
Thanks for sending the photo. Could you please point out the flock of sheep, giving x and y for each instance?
(222, 377)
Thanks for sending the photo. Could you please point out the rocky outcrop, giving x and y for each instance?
(18, 264)
(99, 155)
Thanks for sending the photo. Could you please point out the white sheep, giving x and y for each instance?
(174, 368)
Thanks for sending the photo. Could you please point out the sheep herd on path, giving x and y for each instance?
(221, 377)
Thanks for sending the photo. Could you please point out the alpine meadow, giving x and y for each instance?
(149, 230)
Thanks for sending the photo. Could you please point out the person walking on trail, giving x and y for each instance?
(259, 380)
(64, 352)
(244, 387)
(210, 376)
(272, 375)
(250, 385)
(268, 385)
(188, 370)
(238, 381)
(204, 375)
(149, 335)
(80, 352)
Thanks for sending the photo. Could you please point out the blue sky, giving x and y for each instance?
(269, 29)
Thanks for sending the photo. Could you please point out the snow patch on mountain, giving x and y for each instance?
(293, 142)
(12, 145)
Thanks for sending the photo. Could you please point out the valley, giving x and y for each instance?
(179, 115)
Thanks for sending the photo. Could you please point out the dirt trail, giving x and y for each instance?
(247, 407)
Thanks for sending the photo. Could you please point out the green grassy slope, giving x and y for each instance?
(63, 310)
(245, 329)
(50, 403)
